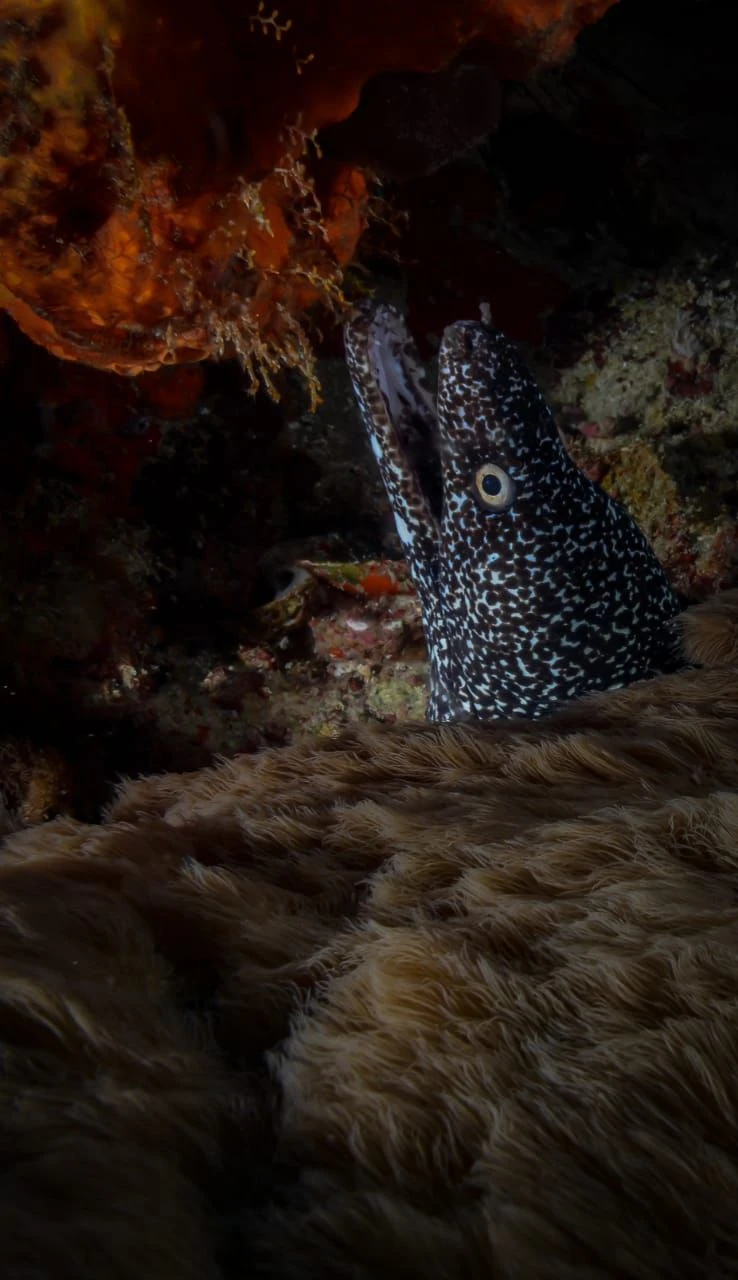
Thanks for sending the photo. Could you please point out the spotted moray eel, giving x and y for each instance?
(535, 586)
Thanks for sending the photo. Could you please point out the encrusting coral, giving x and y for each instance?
(518, 1056)
(162, 196)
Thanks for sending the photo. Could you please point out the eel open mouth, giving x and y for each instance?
(403, 429)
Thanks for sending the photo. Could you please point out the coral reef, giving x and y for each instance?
(155, 602)
(34, 784)
(140, 628)
(416, 1002)
(138, 512)
(647, 395)
(161, 199)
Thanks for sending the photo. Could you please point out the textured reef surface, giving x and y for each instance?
(424, 1002)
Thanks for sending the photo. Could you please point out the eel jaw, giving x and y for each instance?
(399, 415)
(400, 419)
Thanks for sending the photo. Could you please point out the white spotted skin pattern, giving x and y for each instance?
(527, 608)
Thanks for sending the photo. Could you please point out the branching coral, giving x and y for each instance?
(160, 198)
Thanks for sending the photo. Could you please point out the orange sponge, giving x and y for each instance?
(161, 198)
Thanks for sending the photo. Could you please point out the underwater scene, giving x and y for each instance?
(368, 639)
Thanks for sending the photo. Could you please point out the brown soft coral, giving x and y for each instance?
(158, 203)
(519, 1058)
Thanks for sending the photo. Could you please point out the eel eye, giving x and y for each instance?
(493, 488)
